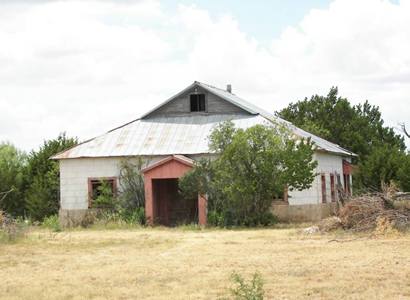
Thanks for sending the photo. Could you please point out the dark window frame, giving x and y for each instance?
(197, 103)
(323, 182)
(332, 188)
(93, 181)
(347, 185)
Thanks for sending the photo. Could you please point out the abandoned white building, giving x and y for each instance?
(171, 137)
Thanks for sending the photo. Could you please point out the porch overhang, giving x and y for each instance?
(171, 167)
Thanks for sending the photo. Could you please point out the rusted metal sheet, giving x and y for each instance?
(173, 135)
(183, 134)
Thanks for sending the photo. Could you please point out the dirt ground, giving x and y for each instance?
(188, 264)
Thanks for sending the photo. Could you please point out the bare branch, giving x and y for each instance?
(3, 195)
(403, 128)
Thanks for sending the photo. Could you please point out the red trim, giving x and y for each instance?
(347, 167)
(180, 158)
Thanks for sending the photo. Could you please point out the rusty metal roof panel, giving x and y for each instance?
(160, 136)
(183, 134)
(173, 135)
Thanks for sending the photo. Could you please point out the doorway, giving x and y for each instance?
(170, 208)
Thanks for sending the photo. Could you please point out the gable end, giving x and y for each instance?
(181, 104)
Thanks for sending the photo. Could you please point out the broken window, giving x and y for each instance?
(339, 186)
(323, 179)
(347, 187)
(332, 188)
(101, 187)
(197, 102)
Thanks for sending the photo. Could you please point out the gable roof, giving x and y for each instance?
(183, 134)
(225, 95)
(179, 158)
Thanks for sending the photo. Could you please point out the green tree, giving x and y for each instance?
(403, 174)
(359, 128)
(43, 176)
(12, 180)
(253, 167)
(382, 165)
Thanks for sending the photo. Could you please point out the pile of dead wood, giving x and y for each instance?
(367, 213)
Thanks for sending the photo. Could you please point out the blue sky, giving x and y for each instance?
(262, 19)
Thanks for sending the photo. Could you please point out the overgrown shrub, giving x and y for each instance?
(128, 206)
(132, 193)
(253, 167)
(216, 219)
(11, 229)
(52, 222)
(136, 216)
(107, 219)
(105, 200)
(243, 290)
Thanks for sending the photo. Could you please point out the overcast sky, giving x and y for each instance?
(85, 67)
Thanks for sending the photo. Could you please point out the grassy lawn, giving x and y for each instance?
(182, 264)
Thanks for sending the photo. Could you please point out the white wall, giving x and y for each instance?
(75, 173)
(327, 164)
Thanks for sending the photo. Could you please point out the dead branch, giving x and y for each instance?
(403, 128)
(3, 195)
(343, 241)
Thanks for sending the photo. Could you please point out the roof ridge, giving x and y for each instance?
(214, 87)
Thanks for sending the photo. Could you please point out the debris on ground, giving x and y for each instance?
(369, 212)
(311, 230)
(373, 212)
(329, 224)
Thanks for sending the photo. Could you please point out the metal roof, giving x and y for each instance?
(185, 135)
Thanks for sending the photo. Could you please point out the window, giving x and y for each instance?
(339, 186)
(96, 188)
(323, 179)
(346, 179)
(197, 102)
(332, 187)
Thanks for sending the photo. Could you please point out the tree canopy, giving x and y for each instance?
(252, 168)
(12, 179)
(30, 184)
(43, 176)
(359, 128)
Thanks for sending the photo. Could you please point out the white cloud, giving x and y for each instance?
(87, 66)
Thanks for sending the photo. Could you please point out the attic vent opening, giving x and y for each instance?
(197, 102)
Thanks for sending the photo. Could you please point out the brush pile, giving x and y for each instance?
(373, 212)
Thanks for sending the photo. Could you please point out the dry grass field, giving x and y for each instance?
(188, 264)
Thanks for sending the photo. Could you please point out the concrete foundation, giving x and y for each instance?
(303, 213)
(76, 217)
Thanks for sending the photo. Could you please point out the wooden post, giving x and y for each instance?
(285, 194)
(149, 199)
